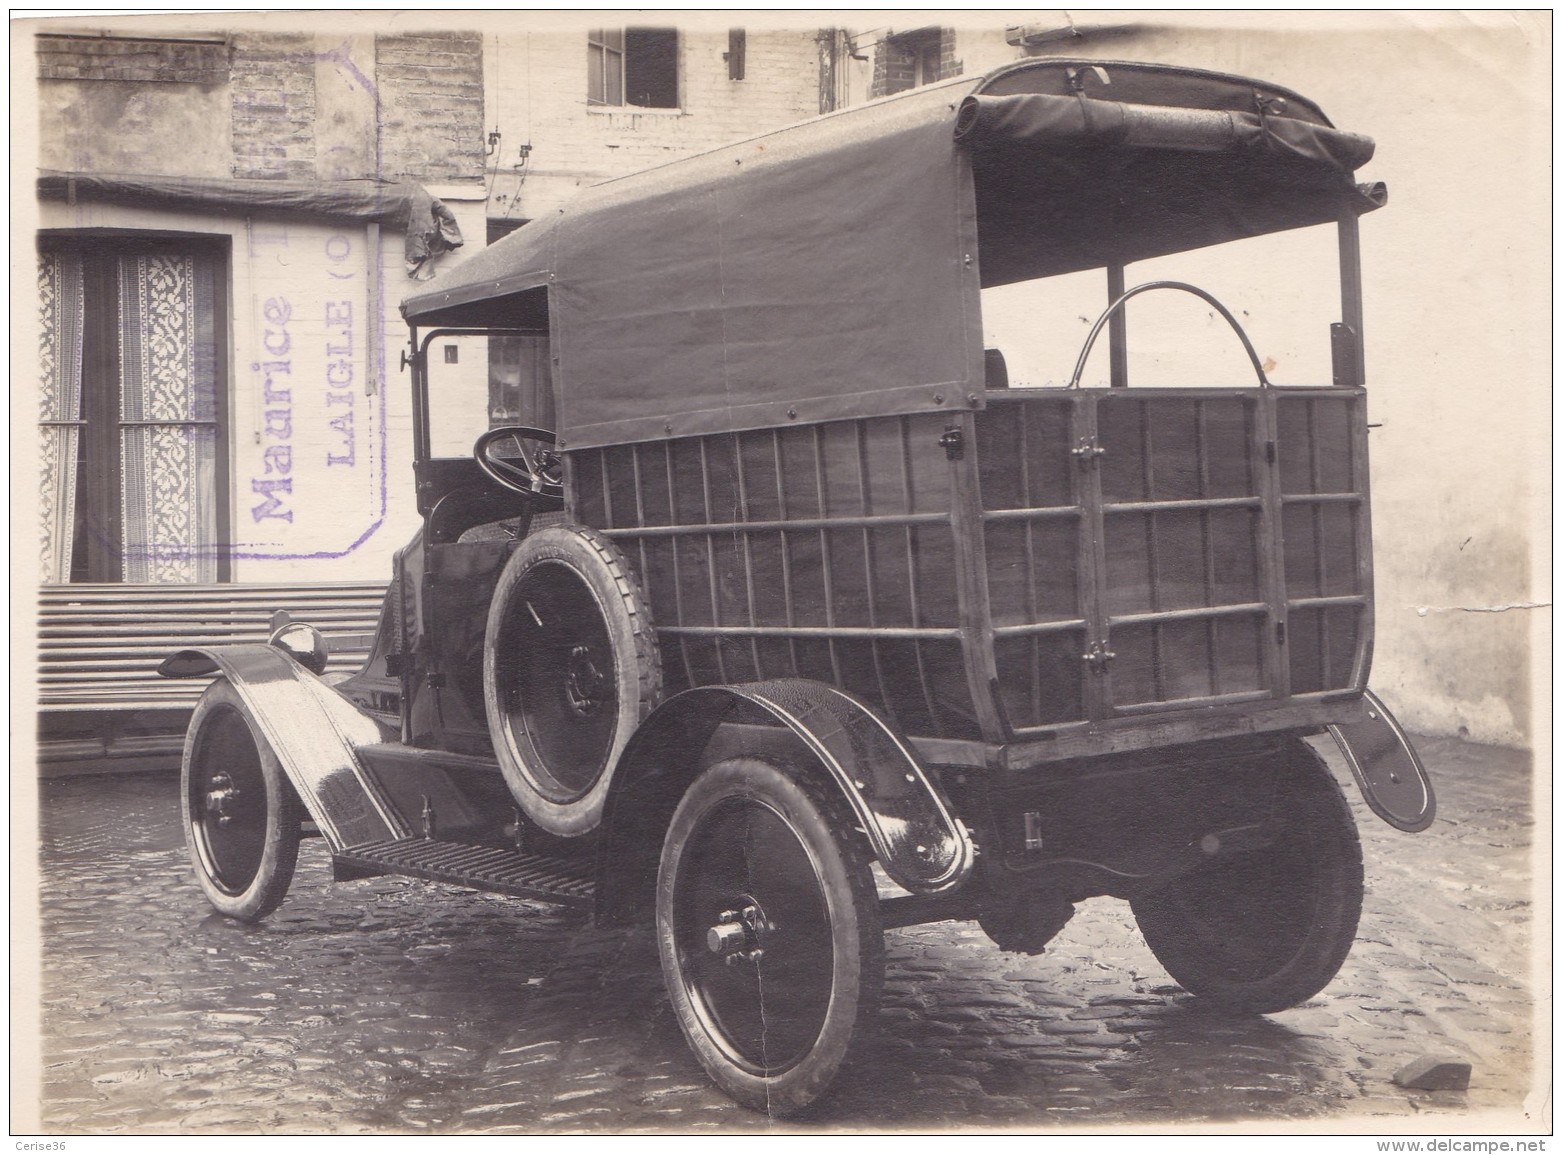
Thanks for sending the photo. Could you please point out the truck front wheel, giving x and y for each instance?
(768, 927)
(241, 816)
(1264, 929)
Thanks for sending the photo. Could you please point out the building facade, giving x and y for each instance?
(227, 219)
(226, 224)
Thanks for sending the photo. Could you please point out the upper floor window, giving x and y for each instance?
(924, 54)
(911, 59)
(632, 66)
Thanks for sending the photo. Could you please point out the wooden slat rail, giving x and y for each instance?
(100, 645)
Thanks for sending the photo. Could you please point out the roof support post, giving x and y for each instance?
(1117, 328)
(1350, 296)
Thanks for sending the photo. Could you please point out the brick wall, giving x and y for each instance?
(948, 64)
(431, 105)
(130, 58)
(249, 105)
(895, 60)
(274, 106)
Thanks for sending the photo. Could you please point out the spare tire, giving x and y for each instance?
(570, 669)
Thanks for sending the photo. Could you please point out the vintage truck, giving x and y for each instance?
(780, 617)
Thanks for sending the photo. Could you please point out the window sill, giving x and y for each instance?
(632, 110)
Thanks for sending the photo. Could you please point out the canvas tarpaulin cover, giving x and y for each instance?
(814, 273)
(834, 268)
(772, 290)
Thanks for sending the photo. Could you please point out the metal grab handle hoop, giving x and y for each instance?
(1095, 331)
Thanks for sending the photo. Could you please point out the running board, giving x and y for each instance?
(489, 868)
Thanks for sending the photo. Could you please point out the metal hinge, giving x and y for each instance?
(953, 442)
(1033, 836)
(1098, 656)
(1087, 450)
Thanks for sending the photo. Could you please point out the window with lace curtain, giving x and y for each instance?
(132, 414)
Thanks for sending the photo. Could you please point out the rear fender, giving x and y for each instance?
(919, 843)
(314, 732)
(1386, 767)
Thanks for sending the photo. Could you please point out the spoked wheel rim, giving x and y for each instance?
(557, 681)
(227, 800)
(753, 935)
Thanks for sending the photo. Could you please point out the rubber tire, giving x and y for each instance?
(841, 861)
(637, 671)
(1307, 950)
(223, 737)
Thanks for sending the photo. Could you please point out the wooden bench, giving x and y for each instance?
(99, 693)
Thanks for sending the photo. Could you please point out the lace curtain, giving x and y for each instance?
(168, 417)
(62, 313)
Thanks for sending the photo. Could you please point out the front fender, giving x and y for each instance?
(918, 842)
(314, 732)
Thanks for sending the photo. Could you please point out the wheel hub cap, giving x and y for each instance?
(736, 937)
(584, 683)
(221, 793)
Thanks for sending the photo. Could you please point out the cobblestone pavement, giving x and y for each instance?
(394, 1006)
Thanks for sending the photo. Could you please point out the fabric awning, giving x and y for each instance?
(430, 226)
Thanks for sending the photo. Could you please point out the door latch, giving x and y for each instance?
(1097, 656)
(1087, 450)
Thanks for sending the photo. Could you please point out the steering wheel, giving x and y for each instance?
(529, 465)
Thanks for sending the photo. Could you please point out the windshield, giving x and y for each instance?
(478, 382)
(1282, 288)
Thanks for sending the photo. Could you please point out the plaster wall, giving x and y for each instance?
(536, 94)
(132, 127)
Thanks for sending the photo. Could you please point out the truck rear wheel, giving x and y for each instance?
(1265, 929)
(241, 815)
(768, 927)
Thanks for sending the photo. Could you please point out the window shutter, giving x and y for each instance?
(737, 47)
